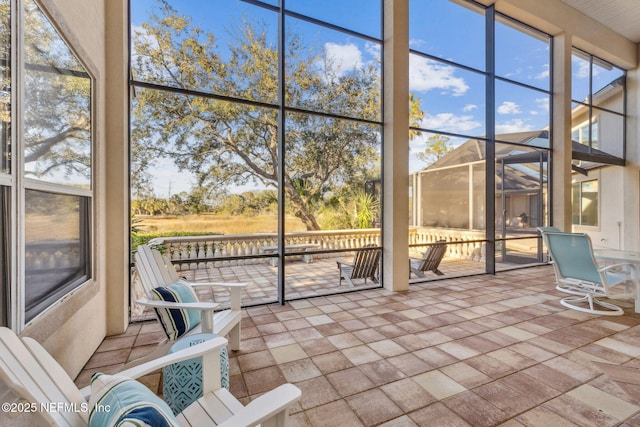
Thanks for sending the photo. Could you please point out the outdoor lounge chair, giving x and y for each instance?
(365, 265)
(430, 260)
(578, 273)
(563, 284)
(155, 270)
(40, 383)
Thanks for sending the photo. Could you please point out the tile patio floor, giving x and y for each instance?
(302, 280)
(479, 351)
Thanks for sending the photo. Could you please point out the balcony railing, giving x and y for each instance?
(193, 252)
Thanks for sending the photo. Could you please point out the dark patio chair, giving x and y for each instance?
(430, 260)
(365, 265)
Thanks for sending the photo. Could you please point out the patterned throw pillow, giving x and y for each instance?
(121, 401)
(176, 322)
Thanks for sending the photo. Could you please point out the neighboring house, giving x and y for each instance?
(450, 193)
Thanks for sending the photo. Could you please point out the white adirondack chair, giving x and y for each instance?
(155, 270)
(35, 376)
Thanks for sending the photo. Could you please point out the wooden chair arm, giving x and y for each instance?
(223, 284)
(202, 306)
(200, 349)
(265, 407)
(341, 261)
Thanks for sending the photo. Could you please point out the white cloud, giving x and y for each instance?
(583, 69)
(373, 49)
(512, 126)
(425, 75)
(544, 74)
(543, 104)
(344, 57)
(450, 122)
(469, 107)
(509, 107)
(414, 43)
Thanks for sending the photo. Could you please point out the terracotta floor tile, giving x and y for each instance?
(532, 351)
(509, 401)
(458, 350)
(368, 335)
(360, 355)
(550, 345)
(604, 402)
(409, 364)
(305, 334)
(317, 346)
(331, 362)
(387, 348)
(475, 410)
(438, 384)
(552, 377)
(287, 353)
(271, 328)
(579, 412)
(329, 329)
(337, 413)
(316, 392)
(279, 340)
(345, 340)
(263, 380)
(353, 325)
(381, 372)
(466, 375)
(237, 386)
(139, 351)
(437, 415)
(300, 370)
(433, 337)
(252, 344)
(391, 331)
(321, 319)
(490, 366)
(117, 343)
(572, 369)
(512, 358)
(407, 394)
(373, 407)
(435, 357)
(108, 358)
(255, 360)
(350, 381)
(541, 416)
(619, 346)
(411, 342)
(149, 338)
(249, 332)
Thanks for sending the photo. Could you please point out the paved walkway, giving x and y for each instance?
(474, 351)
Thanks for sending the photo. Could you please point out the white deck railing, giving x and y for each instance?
(187, 251)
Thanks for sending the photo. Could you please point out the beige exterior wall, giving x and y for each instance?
(72, 329)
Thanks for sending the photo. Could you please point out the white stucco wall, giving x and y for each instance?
(72, 329)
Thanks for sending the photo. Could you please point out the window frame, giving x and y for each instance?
(579, 186)
(18, 184)
(596, 153)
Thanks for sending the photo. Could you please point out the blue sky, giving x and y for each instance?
(453, 98)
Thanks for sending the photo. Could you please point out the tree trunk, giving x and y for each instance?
(302, 211)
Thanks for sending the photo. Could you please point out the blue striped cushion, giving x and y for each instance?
(121, 401)
(176, 322)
